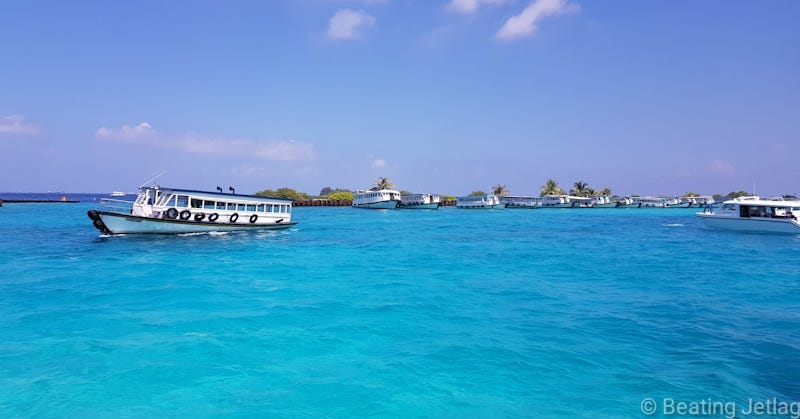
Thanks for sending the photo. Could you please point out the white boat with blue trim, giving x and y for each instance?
(754, 214)
(158, 210)
(420, 201)
(376, 199)
(480, 202)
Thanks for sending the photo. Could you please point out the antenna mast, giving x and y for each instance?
(153, 178)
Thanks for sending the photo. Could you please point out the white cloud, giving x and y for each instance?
(346, 24)
(15, 124)
(722, 167)
(127, 133)
(524, 24)
(282, 150)
(378, 164)
(469, 6)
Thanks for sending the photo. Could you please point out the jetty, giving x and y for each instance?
(63, 200)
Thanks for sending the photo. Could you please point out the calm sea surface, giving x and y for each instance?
(448, 313)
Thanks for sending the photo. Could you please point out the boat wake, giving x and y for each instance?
(675, 225)
(205, 233)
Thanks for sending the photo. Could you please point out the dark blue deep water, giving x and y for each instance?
(448, 313)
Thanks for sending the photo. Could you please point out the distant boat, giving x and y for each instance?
(118, 193)
(378, 199)
(752, 213)
(420, 201)
(521, 202)
(172, 211)
(557, 201)
(479, 202)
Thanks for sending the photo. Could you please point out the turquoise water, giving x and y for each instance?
(448, 313)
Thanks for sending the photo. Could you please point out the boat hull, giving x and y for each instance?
(485, 207)
(114, 223)
(392, 204)
(768, 225)
(522, 206)
(432, 206)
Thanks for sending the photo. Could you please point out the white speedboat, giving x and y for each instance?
(158, 210)
(117, 193)
(479, 202)
(377, 199)
(754, 214)
(420, 201)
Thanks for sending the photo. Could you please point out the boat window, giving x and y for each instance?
(220, 205)
(260, 208)
(240, 207)
(757, 212)
(183, 201)
(231, 207)
(727, 207)
(251, 207)
(197, 203)
(288, 208)
(209, 204)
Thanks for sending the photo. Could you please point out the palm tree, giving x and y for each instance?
(384, 183)
(580, 189)
(500, 190)
(691, 194)
(604, 192)
(551, 188)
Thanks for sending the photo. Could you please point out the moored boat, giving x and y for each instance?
(376, 199)
(420, 201)
(479, 202)
(754, 214)
(556, 201)
(604, 201)
(159, 210)
(652, 201)
(521, 202)
(581, 202)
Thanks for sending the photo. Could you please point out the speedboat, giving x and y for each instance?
(377, 199)
(752, 213)
(158, 210)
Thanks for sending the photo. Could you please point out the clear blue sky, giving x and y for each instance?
(450, 96)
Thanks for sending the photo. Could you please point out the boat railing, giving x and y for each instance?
(116, 205)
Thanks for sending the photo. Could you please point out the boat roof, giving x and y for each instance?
(377, 190)
(757, 201)
(218, 194)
